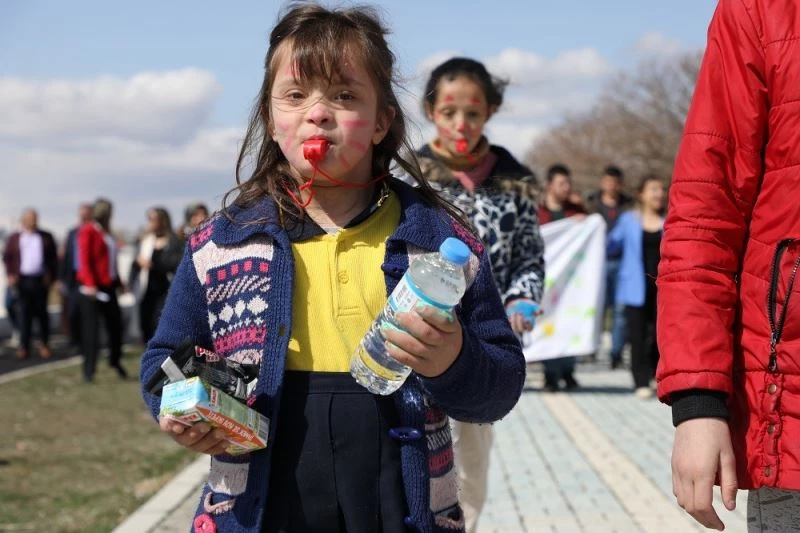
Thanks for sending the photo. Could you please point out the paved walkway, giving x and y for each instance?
(596, 460)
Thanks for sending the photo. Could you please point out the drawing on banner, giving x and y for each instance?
(573, 290)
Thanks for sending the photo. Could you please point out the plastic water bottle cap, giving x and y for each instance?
(454, 251)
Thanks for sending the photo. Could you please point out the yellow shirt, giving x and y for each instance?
(339, 289)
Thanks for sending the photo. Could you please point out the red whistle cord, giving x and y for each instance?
(314, 150)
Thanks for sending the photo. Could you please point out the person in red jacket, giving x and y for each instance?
(728, 315)
(99, 281)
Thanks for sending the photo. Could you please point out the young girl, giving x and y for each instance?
(497, 194)
(290, 277)
(637, 235)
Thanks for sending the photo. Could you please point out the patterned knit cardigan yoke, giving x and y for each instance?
(233, 292)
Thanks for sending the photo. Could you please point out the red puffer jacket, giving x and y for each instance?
(735, 197)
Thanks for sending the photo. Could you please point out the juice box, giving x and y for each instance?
(193, 400)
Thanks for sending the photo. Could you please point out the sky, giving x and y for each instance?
(146, 102)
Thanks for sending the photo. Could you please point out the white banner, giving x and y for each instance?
(575, 252)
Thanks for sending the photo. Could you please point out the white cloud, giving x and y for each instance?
(525, 67)
(140, 141)
(425, 66)
(151, 107)
(657, 44)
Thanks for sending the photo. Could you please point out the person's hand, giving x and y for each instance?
(144, 264)
(580, 217)
(519, 323)
(430, 343)
(201, 437)
(12, 280)
(90, 292)
(702, 449)
(522, 321)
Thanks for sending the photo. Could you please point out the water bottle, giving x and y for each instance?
(435, 279)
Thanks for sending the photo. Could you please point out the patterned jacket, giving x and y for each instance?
(503, 210)
(233, 291)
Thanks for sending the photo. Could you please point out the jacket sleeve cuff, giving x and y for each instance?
(698, 403)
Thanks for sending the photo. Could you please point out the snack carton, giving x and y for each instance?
(193, 400)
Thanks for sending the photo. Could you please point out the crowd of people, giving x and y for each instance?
(84, 275)
(321, 241)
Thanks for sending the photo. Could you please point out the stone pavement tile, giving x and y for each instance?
(180, 520)
(644, 502)
(536, 467)
(643, 432)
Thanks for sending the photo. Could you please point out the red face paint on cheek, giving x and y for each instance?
(356, 123)
(282, 127)
(476, 100)
(361, 147)
(449, 98)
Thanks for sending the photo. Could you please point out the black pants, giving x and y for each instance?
(335, 469)
(74, 315)
(33, 305)
(641, 325)
(12, 306)
(92, 310)
(149, 312)
(557, 369)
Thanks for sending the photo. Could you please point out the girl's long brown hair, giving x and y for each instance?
(321, 41)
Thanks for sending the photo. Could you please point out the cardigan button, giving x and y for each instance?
(772, 389)
(771, 429)
(405, 434)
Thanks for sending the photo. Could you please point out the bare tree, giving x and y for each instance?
(636, 123)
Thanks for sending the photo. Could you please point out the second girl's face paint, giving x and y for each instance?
(344, 112)
(460, 114)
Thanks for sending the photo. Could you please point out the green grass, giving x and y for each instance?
(76, 457)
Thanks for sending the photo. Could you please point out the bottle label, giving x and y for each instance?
(406, 295)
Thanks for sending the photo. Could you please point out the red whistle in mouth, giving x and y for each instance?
(314, 150)
(461, 146)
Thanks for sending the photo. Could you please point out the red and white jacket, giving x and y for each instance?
(96, 266)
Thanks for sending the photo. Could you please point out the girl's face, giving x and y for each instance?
(459, 113)
(652, 196)
(153, 222)
(344, 112)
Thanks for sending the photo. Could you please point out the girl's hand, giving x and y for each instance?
(519, 324)
(201, 437)
(430, 343)
(522, 314)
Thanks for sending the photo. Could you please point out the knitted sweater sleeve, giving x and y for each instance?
(485, 381)
(185, 316)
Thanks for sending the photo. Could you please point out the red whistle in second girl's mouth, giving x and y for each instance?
(461, 146)
(314, 150)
